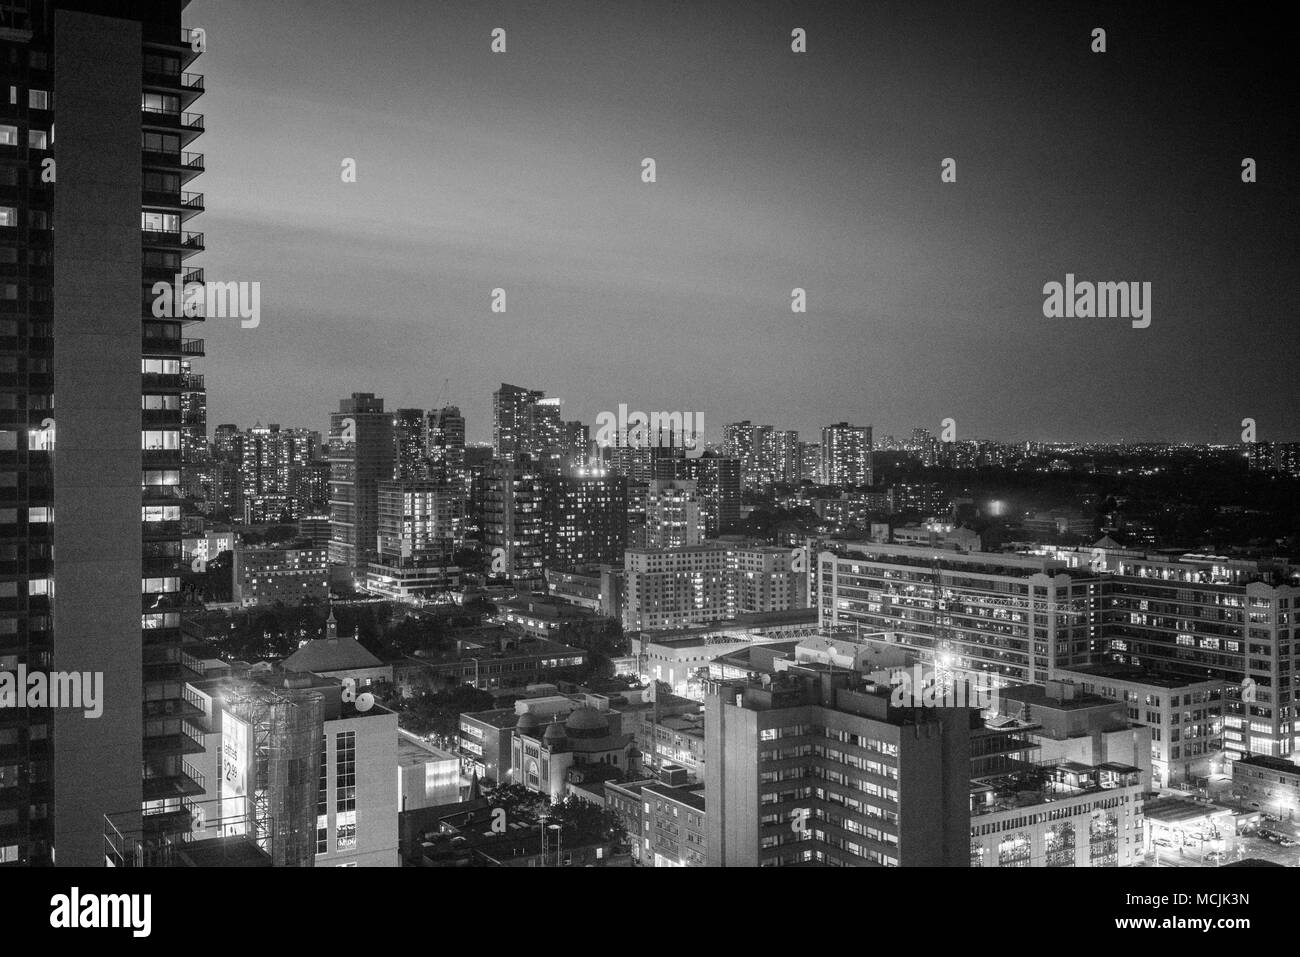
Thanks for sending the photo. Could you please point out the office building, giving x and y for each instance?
(815, 767)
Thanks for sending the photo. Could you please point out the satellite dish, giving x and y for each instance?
(365, 701)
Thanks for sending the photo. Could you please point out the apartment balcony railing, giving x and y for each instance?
(192, 347)
(189, 125)
(176, 39)
(186, 163)
(161, 380)
(161, 345)
(189, 780)
(185, 741)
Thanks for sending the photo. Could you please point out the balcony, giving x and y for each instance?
(173, 38)
(187, 164)
(184, 741)
(189, 86)
(160, 418)
(161, 345)
(187, 243)
(185, 202)
(192, 347)
(186, 782)
(188, 125)
(172, 665)
(161, 381)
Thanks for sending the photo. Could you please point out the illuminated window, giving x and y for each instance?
(345, 790)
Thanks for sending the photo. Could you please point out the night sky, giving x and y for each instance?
(775, 170)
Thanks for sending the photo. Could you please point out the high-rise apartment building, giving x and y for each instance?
(411, 435)
(269, 457)
(362, 454)
(445, 441)
(810, 462)
(846, 454)
(814, 766)
(672, 514)
(524, 421)
(420, 524)
(584, 518)
(513, 527)
(194, 417)
(76, 321)
(717, 487)
(1203, 616)
(714, 581)
(1014, 616)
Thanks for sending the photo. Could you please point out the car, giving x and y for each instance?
(1214, 857)
(1287, 842)
(1161, 842)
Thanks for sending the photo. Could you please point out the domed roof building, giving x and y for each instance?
(528, 723)
(554, 738)
(540, 759)
(586, 722)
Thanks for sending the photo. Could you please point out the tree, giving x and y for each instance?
(585, 823)
(516, 799)
(438, 712)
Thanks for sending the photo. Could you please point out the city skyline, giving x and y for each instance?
(521, 171)
(870, 483)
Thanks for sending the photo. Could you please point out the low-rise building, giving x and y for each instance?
(1185, 716)
(1269, 784)
(1063, 815)
(265, 576)
(426, 776)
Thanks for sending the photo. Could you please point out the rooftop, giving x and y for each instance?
(331, 654)
(691, 795)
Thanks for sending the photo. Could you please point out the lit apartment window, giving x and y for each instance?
(160, 222)
(156, 439)
(8, 214)
(38, 139)
(38, 99)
